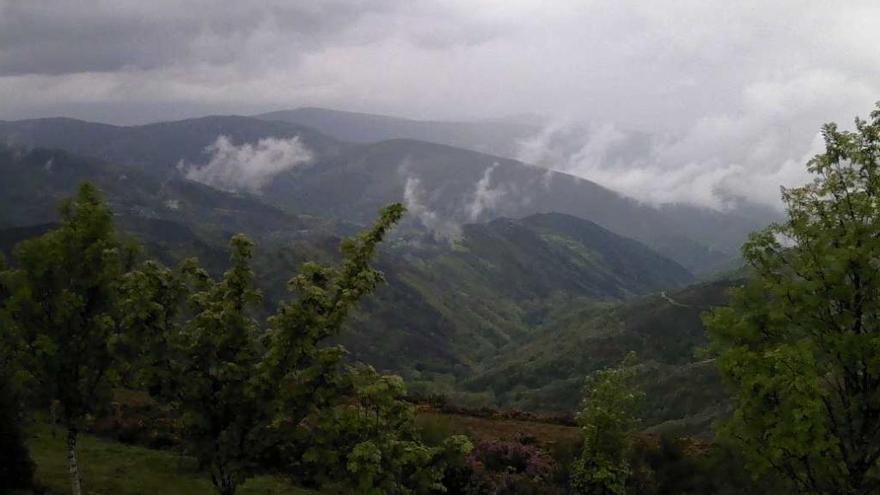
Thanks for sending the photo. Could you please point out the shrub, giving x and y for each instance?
(504, 468)
(16, 467)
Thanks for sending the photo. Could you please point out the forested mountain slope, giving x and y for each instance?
(666, 332)
(450, 304)
(444, 186)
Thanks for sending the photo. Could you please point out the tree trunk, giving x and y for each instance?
(53, 415)
(73, 467)
(224, 483)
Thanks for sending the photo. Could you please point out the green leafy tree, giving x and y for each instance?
(338, 425)
(153, 305)
(304, 372)
(207, 371)
(800, 343)
(64, 304)
(608, 420)
(368, 443)
(16, 466)
(252, 399)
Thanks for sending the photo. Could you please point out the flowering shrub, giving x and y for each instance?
(505, 468)
(513, 457)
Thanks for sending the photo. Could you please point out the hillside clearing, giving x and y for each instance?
(112, 468)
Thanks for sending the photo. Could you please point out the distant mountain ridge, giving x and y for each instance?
(496, 137)
(349, 181)
(154, 148)
(445, 186)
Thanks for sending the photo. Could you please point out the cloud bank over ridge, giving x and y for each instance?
(731, 94)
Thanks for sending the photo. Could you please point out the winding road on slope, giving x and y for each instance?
(673, 301)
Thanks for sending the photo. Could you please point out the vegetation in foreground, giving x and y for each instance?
(81, 317)
(115, 468)
(800, 345)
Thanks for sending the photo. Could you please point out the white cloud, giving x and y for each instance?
(486, 197)
(444, 220)
(248, 167)
(438, 224)
(721, 158)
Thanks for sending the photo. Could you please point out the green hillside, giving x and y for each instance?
(449, 307)
(666, 332)
(495, 286)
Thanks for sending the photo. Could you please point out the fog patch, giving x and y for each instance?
(485, 197)
(247, 167)
(720, 160)
(438, 224)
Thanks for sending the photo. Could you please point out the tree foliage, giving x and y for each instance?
(608, 420)
(349, 425)
(249, 397)
(16, 466)
(279, 396)
(206, 370)
(368, 443)
(64, 305)
(800, 344)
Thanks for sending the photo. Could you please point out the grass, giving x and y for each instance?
(112, 468)
(488, 429)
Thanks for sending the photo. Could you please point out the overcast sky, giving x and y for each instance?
(735, 83)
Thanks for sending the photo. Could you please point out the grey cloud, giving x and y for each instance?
(42, 37)
(715, 99)
(56, 38)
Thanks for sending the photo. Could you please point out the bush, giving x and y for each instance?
(504, 468)
(16, 466)
(679, 465)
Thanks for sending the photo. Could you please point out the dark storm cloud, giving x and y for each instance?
(56, 38)
(39, 37)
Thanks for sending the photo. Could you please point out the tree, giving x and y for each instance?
(800, 343)
(334, 424)
(207, 370)
(608, 420)
(368, 443)
(16, 466)
(253, 399)
(64, 304)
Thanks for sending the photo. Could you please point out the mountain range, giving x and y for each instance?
(348, 181)
(495, 137)
(507, 282)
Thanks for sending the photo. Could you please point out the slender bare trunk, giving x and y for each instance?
(72, 465)
(53, 415)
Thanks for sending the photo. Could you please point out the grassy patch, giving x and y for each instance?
(434, 424)
(112, 468)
